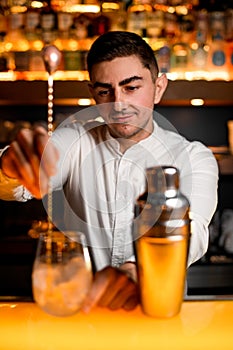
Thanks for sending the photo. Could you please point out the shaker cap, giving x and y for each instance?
(162, 178)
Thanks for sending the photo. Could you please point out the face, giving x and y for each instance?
(124, 86)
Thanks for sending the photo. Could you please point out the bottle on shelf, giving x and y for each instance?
(83, 26)
(217, 23)
(101, 23)
(115, 10)
(180, 48)
(137, 14)
(180, 56)
(217, 62)
(17, 43)
(33, 35)
(66, 43)
(155, 22)
(83, 32)
(163, 56)
(217, 52)
(200, 45)
(48, 23)
(171, 28)
(229, 42)
(4, 57)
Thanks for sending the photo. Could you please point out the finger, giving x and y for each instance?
(41, 139)
(38, 187)
(115, 292)
(47, 151)
(124, 296)
(131, 303)
(25, 139)
(16, 165)
(32, 188)
(99, 285)
(31, 175)
(8, 165)
(20, 163)
(39, 150)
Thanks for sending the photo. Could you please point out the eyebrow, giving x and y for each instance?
(121, 83)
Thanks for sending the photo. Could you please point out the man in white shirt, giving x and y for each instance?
(100, 167)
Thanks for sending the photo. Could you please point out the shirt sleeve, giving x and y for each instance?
(202, 183)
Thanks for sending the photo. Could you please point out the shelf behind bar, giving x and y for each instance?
(67, 93)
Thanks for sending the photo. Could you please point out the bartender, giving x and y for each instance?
(100, 166)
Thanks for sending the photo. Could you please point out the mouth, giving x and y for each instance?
(122, 119)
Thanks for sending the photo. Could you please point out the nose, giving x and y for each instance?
(119, 101)
(119, 106)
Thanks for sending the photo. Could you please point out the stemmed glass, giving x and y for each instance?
(62, 272)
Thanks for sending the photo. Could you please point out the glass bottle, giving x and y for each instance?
(66, 43)
(33, 35)
(180, 57)
(101, 23)
(217, 57)
(137, 16)
(155, 22)
(200, 46)
(229, 42)
(218, 54)
(4, 59)
(48, 22)
(170, 30)
(161, 233)
(3, 54)
(163, 57)
(115, 10)
(16, 43)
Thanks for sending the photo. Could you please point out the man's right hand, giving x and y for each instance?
(31, 159)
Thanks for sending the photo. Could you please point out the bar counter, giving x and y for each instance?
(201, 324)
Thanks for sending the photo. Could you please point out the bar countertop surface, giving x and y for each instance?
(201, 324)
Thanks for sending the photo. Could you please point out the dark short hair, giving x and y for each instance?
(115, 44)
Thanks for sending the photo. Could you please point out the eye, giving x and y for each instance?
(131, 88)
(103, 93)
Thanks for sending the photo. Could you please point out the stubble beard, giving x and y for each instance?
(130, 131)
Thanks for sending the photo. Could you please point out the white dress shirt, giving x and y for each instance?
(100, 186)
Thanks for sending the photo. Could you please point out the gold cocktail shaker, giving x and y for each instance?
(161, 233)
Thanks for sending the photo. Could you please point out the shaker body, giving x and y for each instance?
(161, 263)
(161, 239)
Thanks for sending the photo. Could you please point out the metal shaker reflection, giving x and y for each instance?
(162, 233)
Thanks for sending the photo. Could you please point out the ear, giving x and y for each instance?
(160, 87)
